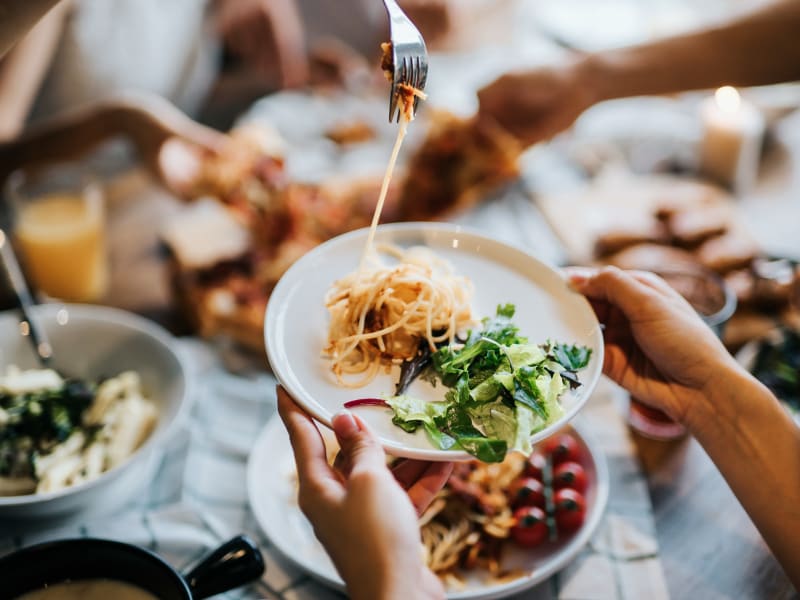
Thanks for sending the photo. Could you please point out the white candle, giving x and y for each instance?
(733, 131)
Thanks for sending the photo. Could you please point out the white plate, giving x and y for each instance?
(297, 323)
(272, 491)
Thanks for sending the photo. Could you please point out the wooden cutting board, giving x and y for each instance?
(616, 200)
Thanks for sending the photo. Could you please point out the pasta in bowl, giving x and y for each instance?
(84, 435)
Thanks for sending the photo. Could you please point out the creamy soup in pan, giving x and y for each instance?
(89, 589)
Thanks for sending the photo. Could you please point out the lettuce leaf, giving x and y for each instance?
(502, 389)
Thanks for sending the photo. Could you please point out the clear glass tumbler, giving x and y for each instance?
(59, 230)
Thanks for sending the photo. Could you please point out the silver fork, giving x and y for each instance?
(409, 55)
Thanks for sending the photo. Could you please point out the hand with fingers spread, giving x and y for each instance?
(656, 346)
(364, 514)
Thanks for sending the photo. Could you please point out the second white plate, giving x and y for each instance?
(272, 491)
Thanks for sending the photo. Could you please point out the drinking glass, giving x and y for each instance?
(715, 302)
(58, 227)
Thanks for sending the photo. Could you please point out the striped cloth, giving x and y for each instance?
(198, 497)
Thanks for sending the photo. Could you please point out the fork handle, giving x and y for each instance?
(41, 343)
(396, 14)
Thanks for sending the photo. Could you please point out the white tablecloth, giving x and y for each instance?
(198, 497)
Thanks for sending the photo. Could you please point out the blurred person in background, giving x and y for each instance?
(93, 70)
(757, 48)
(88, 50)
(96, 68)
(17, 17)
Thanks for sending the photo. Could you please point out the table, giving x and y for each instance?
(708, 546)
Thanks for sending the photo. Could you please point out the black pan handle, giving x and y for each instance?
(235, 563)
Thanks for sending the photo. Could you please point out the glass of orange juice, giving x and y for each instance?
(58, 227)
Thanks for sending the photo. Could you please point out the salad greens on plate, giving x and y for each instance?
(501, 389)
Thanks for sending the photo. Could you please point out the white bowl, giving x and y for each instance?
(95, 341)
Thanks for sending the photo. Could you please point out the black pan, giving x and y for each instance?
(233, 564)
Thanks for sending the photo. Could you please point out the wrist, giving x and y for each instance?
(395, 580)
(594, 74)
(724, 399)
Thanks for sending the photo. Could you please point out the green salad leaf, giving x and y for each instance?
(501, 389)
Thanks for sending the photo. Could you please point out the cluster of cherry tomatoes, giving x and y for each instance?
(547, 497)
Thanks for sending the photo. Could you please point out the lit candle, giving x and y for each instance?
(733, 131)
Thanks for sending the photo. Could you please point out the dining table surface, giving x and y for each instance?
(708, 547)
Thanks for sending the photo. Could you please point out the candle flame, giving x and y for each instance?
(728, 99)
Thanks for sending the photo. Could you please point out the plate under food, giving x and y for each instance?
(272, 491)
(296, 324)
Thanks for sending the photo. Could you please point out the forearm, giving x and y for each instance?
(756, 49)
(17, 17)
(23, 69)
(756, 446)
(65, 137)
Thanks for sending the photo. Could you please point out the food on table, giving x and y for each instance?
(569, 474)
(500, 388)
(727, 252)
(483, 512)
(570, 509)
(767, 284)
(350, 132)
(382, 312)
(224, 269)
(89, 589)
(777, 365)
(628, 231)
(433, 18)
(691, 226)
(55, 432)
(460, 162)
(561, 448)
(651, 257)
(700, 232)
(335, 64)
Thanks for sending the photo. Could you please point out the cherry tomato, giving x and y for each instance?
(562, 447)
(569, 475)
(570, 510)
(531, 526)
(535, 465)
(526, 491)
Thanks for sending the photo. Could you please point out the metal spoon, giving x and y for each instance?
(29, 325)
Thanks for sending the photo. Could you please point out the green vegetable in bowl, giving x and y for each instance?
(777, 365)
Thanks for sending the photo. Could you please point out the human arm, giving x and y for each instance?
(161, 133)
(660, 350)
(360, 512)
(23, 69)
(756, 48)
(265, 33)
(19, 16)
